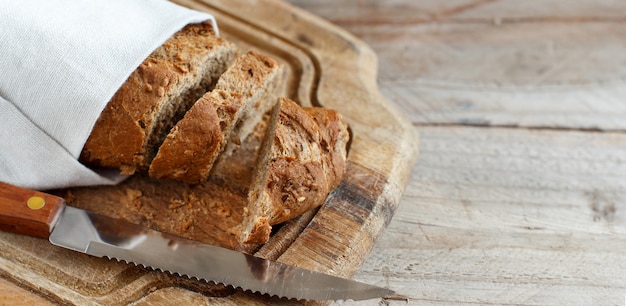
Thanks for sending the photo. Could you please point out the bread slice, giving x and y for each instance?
(191, 147)
(301, 163)
(256, 77)
(243, 94)
(153, 98)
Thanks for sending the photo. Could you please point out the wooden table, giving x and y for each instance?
(519, 193)
(518, 196)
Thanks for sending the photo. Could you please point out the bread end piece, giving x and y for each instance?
(305, 161)
(155, 96)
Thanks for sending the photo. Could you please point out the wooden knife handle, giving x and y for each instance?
(28, 212)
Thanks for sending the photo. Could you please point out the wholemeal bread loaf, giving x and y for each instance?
(304, 162)
(287, 166)
(155, 96)
(226, 158)
(243, 94)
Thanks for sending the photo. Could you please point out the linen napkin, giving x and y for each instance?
(61, 61)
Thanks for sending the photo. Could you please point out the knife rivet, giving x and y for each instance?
(36, 202)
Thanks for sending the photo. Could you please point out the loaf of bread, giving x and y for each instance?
(216, 155)
(157, 94)
(297, 169)
(265, 181)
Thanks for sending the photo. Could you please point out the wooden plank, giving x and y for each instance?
(11, 294)
(509, 217)
(548, 10)
(496, 63)
(525, 75)
(357, 16)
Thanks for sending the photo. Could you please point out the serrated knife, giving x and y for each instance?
(38, 214)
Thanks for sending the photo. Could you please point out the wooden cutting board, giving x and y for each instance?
(326, 66)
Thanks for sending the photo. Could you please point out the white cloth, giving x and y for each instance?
(61, 61)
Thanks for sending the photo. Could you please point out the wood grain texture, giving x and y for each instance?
(508, 216)
(518, 194)
(16, 296)
(28, 212)
(532, 64)
(325, 66)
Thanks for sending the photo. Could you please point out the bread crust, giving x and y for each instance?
(140, 113)
(334, 140)
(306, 162)
(191, 147)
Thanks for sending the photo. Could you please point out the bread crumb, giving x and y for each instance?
(223, 211)
(185, 226)
(133, 196)
(69, 196)
(190, 197)
(176, 203)
(149, 216)
(127, 170)
(180, 68)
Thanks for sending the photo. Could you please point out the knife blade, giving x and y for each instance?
(38, 214)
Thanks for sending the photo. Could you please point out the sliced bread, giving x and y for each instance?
(243, 94)
(191, 147)
(287, 166)
(153, 98)
(193, 114)
(254, 76)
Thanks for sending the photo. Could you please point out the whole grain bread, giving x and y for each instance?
(233, 159)
(242, 94)
(286, 166)
(304, 162)
(155, 96)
